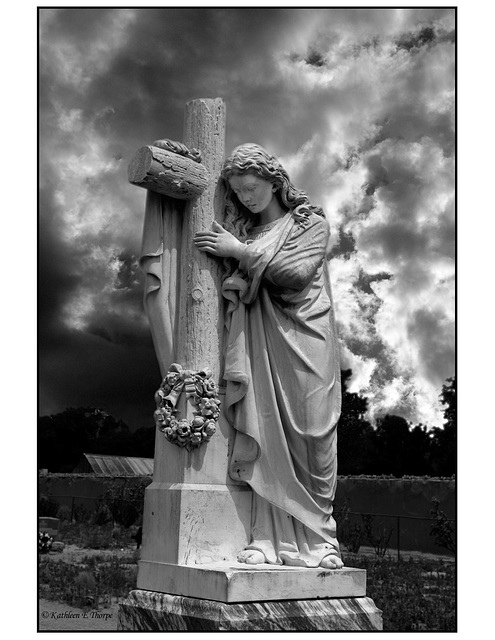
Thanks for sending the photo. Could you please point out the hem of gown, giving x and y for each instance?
(298, 562)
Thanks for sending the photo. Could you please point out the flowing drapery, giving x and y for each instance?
(159, 262)
(283, 391)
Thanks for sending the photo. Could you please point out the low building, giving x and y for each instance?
(108, 466)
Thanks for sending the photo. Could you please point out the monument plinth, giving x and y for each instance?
(151, 611)
(197, 518)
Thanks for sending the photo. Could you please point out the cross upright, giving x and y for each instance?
(195, 514)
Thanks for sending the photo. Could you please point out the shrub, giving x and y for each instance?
(102, 515)
(64, 513)
(85, 588)
(47, 508)
(81, 514)
(126, 502)
(87, 536)
(96, 537)
(350, 534)
(379, 539)
(442, 530)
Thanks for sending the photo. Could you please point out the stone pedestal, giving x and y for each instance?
(238, 582)
(152, 611)
(194, 513)
(236, 597)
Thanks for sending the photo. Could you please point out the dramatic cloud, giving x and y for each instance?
(359, 106)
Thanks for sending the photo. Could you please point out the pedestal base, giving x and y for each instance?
(238, 582)
(153, 611)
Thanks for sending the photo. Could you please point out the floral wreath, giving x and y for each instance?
(202, 390)
(45, 542)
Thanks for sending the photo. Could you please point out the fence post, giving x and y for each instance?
(398, 538)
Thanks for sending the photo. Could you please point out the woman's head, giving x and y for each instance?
(252, 159)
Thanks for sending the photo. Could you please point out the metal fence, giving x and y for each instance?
(82, 507)
(380, 534)
(393, 535)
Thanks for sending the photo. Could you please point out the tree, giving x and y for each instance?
(449, 401)
(418, 462)
(444, 440)
(355, 434)
(393, 440)
(64, 437)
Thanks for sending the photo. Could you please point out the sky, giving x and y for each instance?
(359, 106)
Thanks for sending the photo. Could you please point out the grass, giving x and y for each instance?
(93, 536)
(414, 595)
(91, 582)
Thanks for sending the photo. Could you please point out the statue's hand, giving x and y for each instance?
(219, 242)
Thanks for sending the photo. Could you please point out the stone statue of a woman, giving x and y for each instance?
(282, 371)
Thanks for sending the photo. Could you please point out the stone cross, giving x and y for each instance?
(196, 518)
(195, 514)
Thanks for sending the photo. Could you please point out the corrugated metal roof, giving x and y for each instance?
(119, 465)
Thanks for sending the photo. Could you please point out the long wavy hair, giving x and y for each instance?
(251, 158)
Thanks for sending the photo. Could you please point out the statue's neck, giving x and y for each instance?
(274, 211)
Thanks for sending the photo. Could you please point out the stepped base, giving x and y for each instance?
(238, 582)
(152, 611)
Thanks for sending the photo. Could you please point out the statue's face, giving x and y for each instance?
(254, 192)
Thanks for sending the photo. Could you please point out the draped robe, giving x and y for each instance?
(159, 261)
(283, 393)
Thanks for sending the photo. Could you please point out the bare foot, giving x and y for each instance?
(332, 562)
(251, 556)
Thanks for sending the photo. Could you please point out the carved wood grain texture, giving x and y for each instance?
(167, 173)
(200, 305)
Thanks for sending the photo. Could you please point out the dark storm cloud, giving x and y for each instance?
(122, 81)
(81, 369)
(357, 104)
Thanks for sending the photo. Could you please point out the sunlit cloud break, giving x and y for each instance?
(388, 187)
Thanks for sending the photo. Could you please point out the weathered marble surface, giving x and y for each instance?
(151, 611)
(238, 582)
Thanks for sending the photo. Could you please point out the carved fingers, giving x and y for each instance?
(206, 241)
(219, 242)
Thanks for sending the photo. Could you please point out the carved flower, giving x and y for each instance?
(196, 438)
(209, 428)
(197, 423)
(170, 433)
(209, 387)
(183, 429)
(172, 378)
(159, 396)
(159, 415)
(209, 407)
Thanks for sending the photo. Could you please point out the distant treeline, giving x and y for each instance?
(393, 447)
(64, 437)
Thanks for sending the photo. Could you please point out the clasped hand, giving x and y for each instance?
(219, 242)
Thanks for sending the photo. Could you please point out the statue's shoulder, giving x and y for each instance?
(308, 222)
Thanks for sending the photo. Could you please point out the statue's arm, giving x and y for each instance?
(296, 263)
